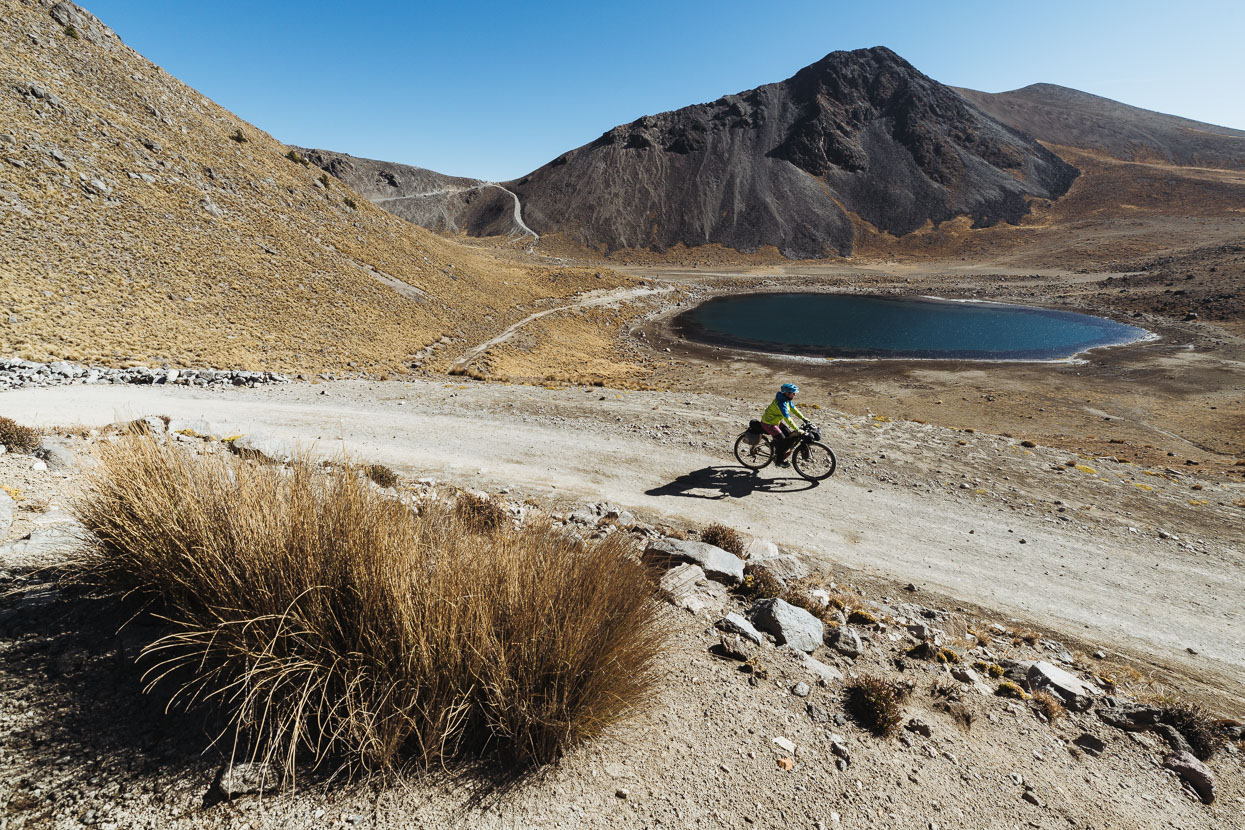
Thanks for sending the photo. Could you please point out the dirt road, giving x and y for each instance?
(971, 516)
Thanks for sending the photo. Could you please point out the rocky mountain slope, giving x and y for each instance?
(1071, 118)
(430, 199)
(141, 222)
(856, 136)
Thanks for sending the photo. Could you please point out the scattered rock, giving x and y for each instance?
(846, 641)
(736, 647)
(263, 448)
(789, 625)
(918, 726)
(785, 567)
(785, 745)
(1075, 693)
(680, 581)
(760, 549)
(1131, 718)
(718, 564)
(234, 779)
(1196, 774)
(1173, 737)
(58, 458)
(825, 674)
(817, 714)
(739, 625)
(1092, 745)
(800, 689)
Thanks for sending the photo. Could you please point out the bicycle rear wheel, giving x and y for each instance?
(814, 461)
(754, 456)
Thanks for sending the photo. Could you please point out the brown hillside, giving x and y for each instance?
(136, 225)
(1058, 115)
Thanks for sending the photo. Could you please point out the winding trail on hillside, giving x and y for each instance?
(1096, 581)
(445, 191)
(592, 299)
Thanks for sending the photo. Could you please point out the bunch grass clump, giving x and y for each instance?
(479, 512)
(383, 476)
(759, 583)
(1197, 726)
(726, 538)
(327, 623)
(18, 438)
(1049, 705)
(877, 703)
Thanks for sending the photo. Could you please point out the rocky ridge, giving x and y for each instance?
(857, 136)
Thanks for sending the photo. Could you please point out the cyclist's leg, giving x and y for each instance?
(783, 445)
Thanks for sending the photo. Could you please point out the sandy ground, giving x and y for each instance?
(1110, 554)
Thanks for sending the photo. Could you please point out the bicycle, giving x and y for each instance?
(813, 460)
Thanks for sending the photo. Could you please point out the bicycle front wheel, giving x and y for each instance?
(814, 461)
(753, 456)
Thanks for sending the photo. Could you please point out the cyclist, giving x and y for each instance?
(777, 421)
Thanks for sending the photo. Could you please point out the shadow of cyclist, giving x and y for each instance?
(728, 483)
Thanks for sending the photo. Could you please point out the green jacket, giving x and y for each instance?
(780, 411)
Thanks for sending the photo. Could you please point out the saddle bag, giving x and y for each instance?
(753, 435)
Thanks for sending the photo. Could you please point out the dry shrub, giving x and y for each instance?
(17, 438)
(480, 513)
(759, 583)
(726, 538)
(860, 616)
(1198, 727)
(326, 622)
(802, 597)
(382, 475)
(877, 703)
(1049, 705)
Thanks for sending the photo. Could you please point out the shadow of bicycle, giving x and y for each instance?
(728, 483)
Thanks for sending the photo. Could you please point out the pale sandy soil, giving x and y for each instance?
(1091, 564)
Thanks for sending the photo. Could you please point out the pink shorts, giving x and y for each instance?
(776, 430)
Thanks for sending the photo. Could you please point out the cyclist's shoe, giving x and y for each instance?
(783, 463)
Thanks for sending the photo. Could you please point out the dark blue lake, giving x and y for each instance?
(854, 326)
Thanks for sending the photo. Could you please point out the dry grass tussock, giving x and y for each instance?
(18, 438)
(327, 623)
(724, 537)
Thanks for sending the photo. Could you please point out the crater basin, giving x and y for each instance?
(860, 326)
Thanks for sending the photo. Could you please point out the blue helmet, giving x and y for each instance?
(789, 388)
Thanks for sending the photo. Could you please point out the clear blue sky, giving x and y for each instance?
(495, 89)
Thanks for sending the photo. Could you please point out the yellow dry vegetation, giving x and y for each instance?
(136, 228)
(573, 346)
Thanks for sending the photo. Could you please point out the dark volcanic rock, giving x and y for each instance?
(1072, 118)
(792, 165)
(787, 164)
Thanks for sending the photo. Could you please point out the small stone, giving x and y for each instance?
(786, 764)
(847, 642)
(784, 744)
(234, 779)
(737, 624)
(1090, 744)
(1194, 773)
(788, 623)
(736, 647)
(718, 564)
(919, 726)
(817, 714)
(800, 689)
(622, 793)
